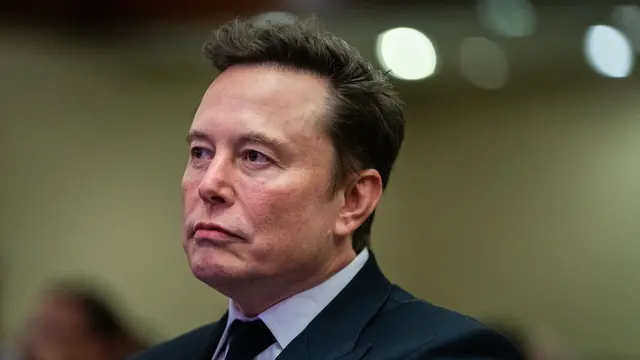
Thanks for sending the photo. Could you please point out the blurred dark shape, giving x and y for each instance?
(114, 17)
(398, 3)
(74, 321)
(105, 16)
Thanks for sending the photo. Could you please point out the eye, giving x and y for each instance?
(256, 157)
(199, 153)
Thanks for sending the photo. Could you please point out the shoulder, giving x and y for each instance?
(185, 346)
(403, 308)
(416, 327)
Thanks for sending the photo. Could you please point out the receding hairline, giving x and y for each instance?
(278, 65)
(330, 92)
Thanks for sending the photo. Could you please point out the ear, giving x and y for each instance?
(361, 197)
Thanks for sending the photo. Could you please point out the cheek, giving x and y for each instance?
(190, 194)
(285, 215)
(265, 207)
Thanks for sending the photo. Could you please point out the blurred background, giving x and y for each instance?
(516, 197)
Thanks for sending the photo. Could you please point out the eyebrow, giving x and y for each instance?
(248, 138)
(196, 135)
(260, 138)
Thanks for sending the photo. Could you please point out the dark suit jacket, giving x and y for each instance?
(371, 319)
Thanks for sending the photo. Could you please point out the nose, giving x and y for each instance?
(216, 185)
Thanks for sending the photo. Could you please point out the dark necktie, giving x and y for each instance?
(248, 339)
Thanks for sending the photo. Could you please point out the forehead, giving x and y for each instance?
(269, 99)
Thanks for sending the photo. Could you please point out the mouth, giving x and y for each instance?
(213, 233)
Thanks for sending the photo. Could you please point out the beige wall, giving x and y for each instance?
(519, 205)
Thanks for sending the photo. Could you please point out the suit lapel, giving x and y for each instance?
(333, 333)
(212, 343)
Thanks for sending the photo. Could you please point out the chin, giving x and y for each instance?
(210, 275)
(214, 267)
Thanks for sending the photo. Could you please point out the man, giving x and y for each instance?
(290, 150)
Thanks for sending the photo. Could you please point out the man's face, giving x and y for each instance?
(260, 167)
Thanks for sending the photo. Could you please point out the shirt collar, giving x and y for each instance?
(288, 318)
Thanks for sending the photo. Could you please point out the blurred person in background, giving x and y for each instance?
(289, 152)
(74, 322)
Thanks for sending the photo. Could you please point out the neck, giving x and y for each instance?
(261, 298)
